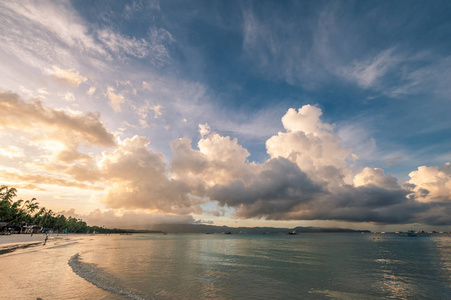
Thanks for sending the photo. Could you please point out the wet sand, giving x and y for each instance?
(31, 270)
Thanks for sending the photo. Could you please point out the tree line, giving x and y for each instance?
(18, 213)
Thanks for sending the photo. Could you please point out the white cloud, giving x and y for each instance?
(115, 99)
(138, 179)
(305, 120)
(219, 160)
(143, 124)
(69, 97)
(307, 175)
(143, 112)
(91, 91)
(58, 124)
(146, 86)
(40, 93)
(312, 145)
(376, 176)
(59, 132)
(11, 151)
(43, 92)
(432, 77)
(140, 48)
(204, 129)
(70, 76)
(57, 19)
(157, 110)
(366, 73)
(39, 35)
(432, 184)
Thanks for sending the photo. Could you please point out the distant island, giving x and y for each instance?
(203, 228)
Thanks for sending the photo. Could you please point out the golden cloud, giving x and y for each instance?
(52, 124)
(70, 76)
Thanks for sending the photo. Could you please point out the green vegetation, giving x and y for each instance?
(15, 214)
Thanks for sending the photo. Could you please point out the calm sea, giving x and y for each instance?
(199, 266)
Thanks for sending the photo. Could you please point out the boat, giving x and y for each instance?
(292, 232)
(411, 233)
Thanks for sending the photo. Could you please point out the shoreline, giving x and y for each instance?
(11, 243)
(35, 271)
(13, 247)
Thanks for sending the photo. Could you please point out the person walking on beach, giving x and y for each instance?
(46, 238)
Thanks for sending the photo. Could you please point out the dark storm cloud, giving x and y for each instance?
(283, 192)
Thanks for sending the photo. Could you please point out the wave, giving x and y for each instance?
(101, 279)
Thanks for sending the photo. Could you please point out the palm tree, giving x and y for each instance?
(6, 201)
(7, 194)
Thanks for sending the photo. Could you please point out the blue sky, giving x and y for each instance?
(257, 57)
(120, 77)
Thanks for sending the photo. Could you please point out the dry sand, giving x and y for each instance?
(13, 242)
(8, 240)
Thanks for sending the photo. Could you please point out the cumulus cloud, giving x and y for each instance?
(219, 160)
(138, 180)
(375, 176)
(204, 129)
(70, 76)
(303, 180)
(312, 145)
(362, 204)
(307, 177)
(432, 184)
(306, 119)
(278, 187)
(281, 191)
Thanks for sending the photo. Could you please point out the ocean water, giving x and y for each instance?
(199, 266)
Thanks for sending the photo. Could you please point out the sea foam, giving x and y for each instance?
(101, 279)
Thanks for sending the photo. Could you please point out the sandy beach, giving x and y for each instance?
(13, 239)
(31, 270)
(13, 242)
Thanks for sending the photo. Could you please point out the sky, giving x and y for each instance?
(237, 113)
